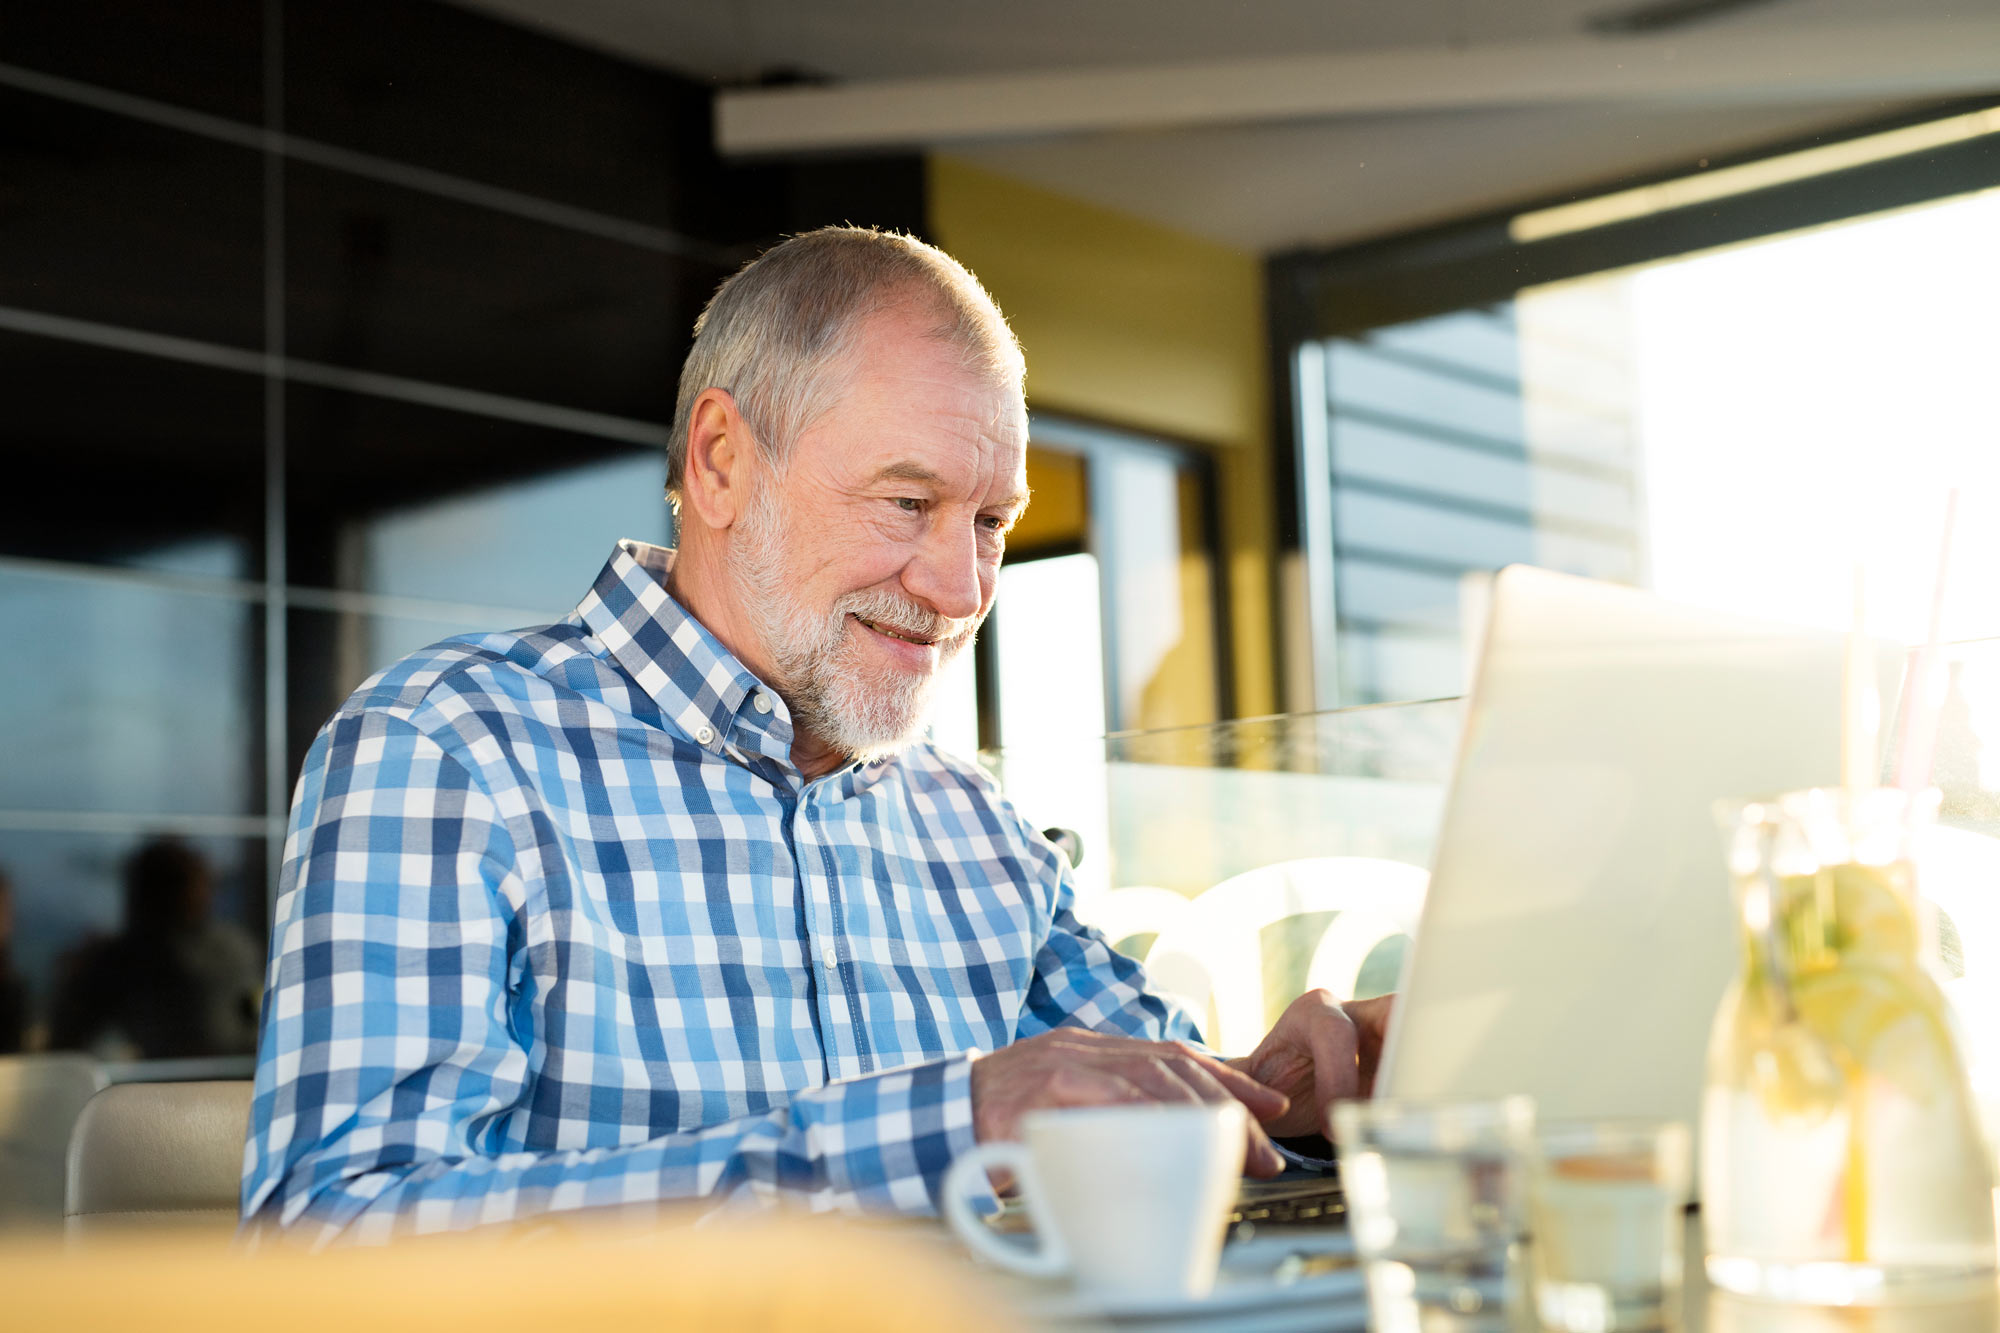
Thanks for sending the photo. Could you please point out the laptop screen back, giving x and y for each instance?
(1578, 932)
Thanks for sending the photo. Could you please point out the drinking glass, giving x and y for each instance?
(1604, 1209)
(1435, 1196)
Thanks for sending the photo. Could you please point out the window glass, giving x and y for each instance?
(1058, 515)
(129, 697)
(147, 943)
(403, 500)
(1737, 428)
(131, 460)
(1140, 507)
(1141, 517)
(332, 652)
(954, 723)
(129, 223)
(1050, 650)
(536, 544)
(1805, 403)
(407, 283)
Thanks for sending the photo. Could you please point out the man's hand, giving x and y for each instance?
(1078, 1067)
(1320, 1052)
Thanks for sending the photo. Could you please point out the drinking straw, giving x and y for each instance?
(1859, 757)
(1916, 747)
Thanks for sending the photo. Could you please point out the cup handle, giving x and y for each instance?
(967, 1177)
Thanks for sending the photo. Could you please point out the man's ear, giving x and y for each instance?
(720, 457)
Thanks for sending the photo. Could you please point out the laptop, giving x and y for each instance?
(1578, 932)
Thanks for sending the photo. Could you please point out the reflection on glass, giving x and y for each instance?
(122, 696)
(137, 945)
(410, 283)
(135, 460)
(113, 219)
(14, 1002)
(333, 652)
(534, 543)
(393, 498)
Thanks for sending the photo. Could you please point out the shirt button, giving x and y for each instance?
(705, 736)
(830, 958)
(762, 703)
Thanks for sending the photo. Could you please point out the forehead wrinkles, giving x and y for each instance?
(961, 449)
(1002, 430)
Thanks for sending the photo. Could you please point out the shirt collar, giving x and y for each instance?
(671, 656)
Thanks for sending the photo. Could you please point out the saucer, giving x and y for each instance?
(1267, 1284)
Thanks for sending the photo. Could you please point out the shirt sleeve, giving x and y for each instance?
(1080, 980)
(397, 1036)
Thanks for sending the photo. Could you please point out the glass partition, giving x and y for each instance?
(1246, 861)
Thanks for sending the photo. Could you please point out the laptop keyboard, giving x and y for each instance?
(1310, 1201)
(1291, 1201)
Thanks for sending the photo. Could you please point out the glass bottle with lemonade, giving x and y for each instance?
(1842, 1159)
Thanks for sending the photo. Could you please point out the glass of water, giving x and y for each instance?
(1604, 1204)
(1436, 1197)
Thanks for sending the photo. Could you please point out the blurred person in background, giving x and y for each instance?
(174, 982)
(669, 900)
(13, 987)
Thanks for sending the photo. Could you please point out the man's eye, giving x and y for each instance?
(909, 504)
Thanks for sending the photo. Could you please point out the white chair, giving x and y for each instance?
(1208, 953)
(1138, 910)
(158, 1155)
(41, 1097)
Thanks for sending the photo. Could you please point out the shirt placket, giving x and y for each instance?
(849, 1051)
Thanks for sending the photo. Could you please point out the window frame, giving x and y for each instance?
(1095, 442)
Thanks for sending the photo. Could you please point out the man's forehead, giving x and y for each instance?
(912, 342)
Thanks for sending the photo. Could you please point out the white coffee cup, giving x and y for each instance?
(1132, 1201)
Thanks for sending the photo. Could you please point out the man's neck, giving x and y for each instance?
(813, 757)
(699, 583)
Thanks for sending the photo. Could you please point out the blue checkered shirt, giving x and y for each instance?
(561, 926)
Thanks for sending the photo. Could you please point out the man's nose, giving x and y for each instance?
(945, 571)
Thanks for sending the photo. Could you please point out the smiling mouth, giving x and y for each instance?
(886, 632)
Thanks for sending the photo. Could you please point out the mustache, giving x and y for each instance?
(905, 617)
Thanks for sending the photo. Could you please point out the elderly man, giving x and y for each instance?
(665, 901)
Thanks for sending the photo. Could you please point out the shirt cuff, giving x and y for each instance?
(961, 1137)
(955, 1094)
(888, 1138)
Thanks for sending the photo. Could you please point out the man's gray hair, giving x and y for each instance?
(778, 334)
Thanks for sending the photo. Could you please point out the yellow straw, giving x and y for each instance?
(1855, 1214)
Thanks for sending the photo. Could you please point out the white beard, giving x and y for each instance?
(821, 669)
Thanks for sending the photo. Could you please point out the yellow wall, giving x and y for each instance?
(1133, 324)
